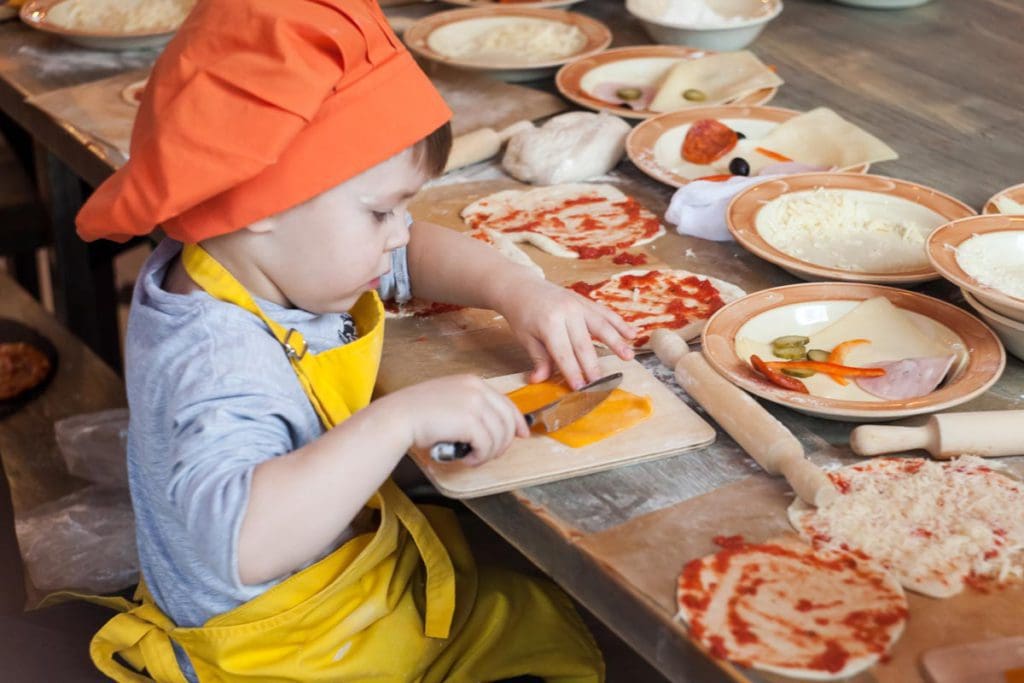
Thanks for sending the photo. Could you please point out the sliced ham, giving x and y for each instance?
(907, 378)
(607, 92)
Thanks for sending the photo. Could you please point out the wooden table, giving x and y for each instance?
(941, 83)
(67, 163)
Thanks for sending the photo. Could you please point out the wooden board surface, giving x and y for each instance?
(478, 101)
(986, 661)
(672, 429)
(648, 552)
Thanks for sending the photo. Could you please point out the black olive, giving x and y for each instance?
(740, 136)
(739, 166)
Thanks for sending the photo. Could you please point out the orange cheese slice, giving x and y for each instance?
(620, 411)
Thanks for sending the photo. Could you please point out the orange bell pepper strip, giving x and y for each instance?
(772, 155)
(716, 178)
(827, 368)
(838, 354)
(776, 377)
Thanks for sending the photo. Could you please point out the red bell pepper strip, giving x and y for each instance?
(716, 178)
(827, 368)
(776, 377)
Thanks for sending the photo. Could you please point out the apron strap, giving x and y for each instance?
(440, 580)
(440, 583)
(209, 274)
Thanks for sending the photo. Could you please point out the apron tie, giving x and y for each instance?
(440, 580)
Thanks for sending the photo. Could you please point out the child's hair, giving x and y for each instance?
(432, 151)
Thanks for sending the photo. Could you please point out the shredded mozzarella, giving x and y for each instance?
(934, 524)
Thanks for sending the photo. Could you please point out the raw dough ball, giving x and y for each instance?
(568, 148)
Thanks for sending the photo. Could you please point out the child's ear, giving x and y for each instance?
(262, 226)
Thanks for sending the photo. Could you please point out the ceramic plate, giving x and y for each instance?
(655, 144)
(883, 198)
(34, 12)
(537, 4)
(1007, 236)
(809, 307)
(464, 24)
(643, 65)
(1016, 193)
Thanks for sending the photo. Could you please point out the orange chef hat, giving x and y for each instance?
(256, 106)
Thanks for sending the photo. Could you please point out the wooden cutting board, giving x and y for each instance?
(672, 429)
(989, 661)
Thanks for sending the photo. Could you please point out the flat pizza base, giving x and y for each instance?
(536, 200)
(727, 290)
(942, 583)
(834, 594)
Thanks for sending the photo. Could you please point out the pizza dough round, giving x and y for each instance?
(574, 220)
(568, 148)
(132, 93)
(22, 368)
(786, 608)
(653, 299)
(935, 525)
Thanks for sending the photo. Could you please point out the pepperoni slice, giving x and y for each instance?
(708, 140)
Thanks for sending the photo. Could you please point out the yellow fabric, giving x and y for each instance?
(404, 603)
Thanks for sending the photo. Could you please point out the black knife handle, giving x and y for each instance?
(447, 451)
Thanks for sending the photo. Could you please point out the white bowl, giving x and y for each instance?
(752, 16)
(1010, 331)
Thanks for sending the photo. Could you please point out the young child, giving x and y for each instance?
(278, 144)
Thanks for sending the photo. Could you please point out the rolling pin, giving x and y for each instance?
(989, 434)
(481, 144)
(764, 438)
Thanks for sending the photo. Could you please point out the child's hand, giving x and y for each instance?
(459, 408)
(557, 326)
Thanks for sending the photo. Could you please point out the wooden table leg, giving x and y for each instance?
(84, 292)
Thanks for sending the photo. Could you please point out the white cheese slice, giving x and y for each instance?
(822, 137)
(721, 77)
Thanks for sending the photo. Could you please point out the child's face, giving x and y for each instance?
(323, 254)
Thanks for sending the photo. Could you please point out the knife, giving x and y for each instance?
(553, 416)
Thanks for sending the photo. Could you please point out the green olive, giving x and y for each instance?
(801, 373)
(628, 94)
(694, 95)
(818, 355)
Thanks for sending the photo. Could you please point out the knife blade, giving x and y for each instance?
(559, 413)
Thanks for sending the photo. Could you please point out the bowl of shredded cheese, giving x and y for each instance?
(514, 44)
(108, 24)
(710, 24)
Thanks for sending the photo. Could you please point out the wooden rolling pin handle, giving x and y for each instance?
(990, 434)
(870, 440)
(757, 432)
(480, 145)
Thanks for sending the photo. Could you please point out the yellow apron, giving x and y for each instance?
(403, 603)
